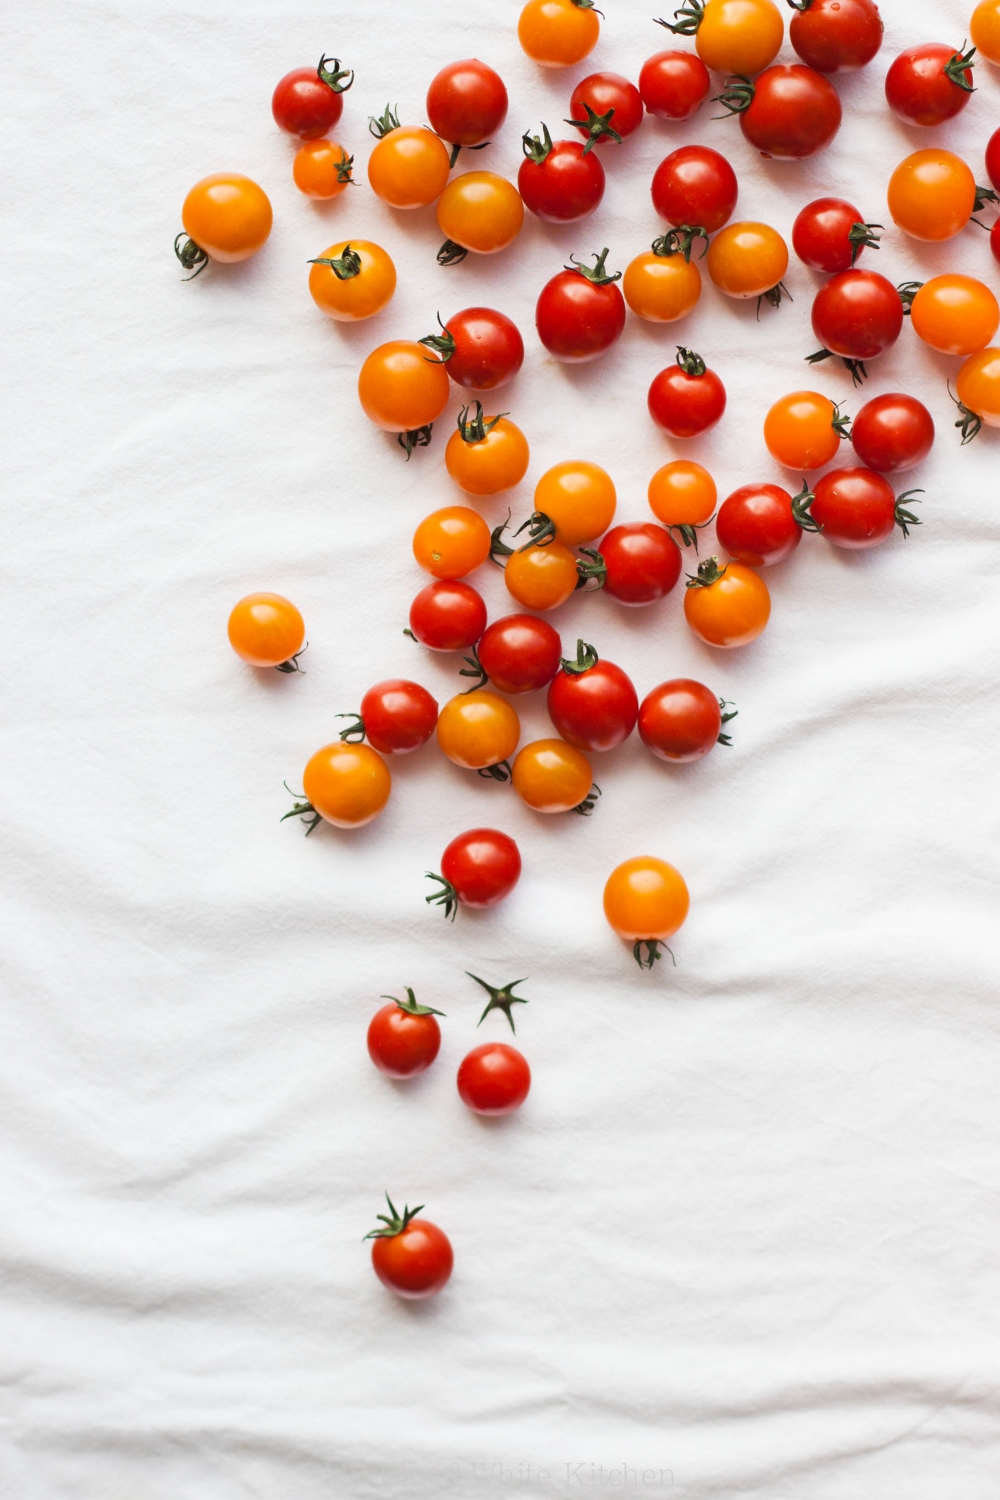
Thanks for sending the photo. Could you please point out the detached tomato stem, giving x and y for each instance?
(501, 998)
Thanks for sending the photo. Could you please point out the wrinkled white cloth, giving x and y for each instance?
(743, 1236)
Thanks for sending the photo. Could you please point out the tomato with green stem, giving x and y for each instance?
(494, 1079)
(226, 218)
(352, 280)
(577, 499)
(517, 654)
(478, 211)
(486, 455)
(466, 104)
(479, 731)
(642, 563)
(835, 36)
(687, 398)
(748, 260)
(591, 702)
(856, 508)
(829, 235)
(346, 785)
(682, 720)
(447, 615)
(804, 430)
(682, 494)
(558, 33)
(892, 432)
(673, 85)
(309, 101)
(411, 1256)
(954, 314)
(480, 348)
(695, 187)
(762, 524)
(478, 869)
(404, 1038)
(978, 386)
(645, 902)
(580, 313)
(541, 577)
(409, 165)
(266, 630)
(404, 391)
(726, 606)
(452, 541)
(929, 84)
(605, 107)
(322, 170)
(730, 36)
(932, 195)
(856, 316)
(560, 182)
(554, 777)
(788, 112)
(396, 716)
(662, 284)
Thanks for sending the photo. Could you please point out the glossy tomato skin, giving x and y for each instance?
(452, 541)
(993, 159)
(520, 653)
(918, 89)
(685, 405)
(794, 112)
(489, 349)
(855, 507)
(466, 102)
(558, 33)
(977, 385)
(483, 866)
(494, 1079)
(995, 240)
(747, 259)
(266, 630)
(565, 187)
(756, 525)
(595, 709)
(480, 211)
(416, 1263)
(478, 729)
(604, 92)
(801, 430)
(892, 432)
(834, 36)
(551, 776)
(541, 577)
(645, 900)
(348, 785)
(857, 314)
(643, 563)
(577, 320)
(401, 388)
(731, 611)
(820, 235)
(228, 216)
(303, 105)
(955, 314)
(401, 1044)
(448, 615)
(673, 85)
(695, 185)
(680, 720)
(398, 716)
(932, 194)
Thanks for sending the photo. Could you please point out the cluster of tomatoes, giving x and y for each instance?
(569, 541)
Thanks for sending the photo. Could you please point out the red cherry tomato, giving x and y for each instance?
(448, 615)
(494, 1079)
(403, 1037)
(892, 432)
(606, 107)
(760, 524)
(580, 313)
(411, 1256)
(397, 716)
(559, 182)
(478, 869)
(520, 653)
(833, 36)
(308, 102)
(481, 348)
(788, 111)
(993, 159)
(695, 185)
(686, 398)
(592, 703)
(857, 315)
(856, 508)
(929, 84)
(466, 103)
(829, 234)
(643, 562)
(673, 85)
(995, 240)
(681, 720)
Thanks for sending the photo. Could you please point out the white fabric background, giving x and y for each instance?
(746, 1228)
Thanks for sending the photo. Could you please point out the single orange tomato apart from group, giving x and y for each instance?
(352, 280)
(955, 314)
(748, 260)
(478, 730)
(661, 285)
(478, 211)
(346, 785)
(558, 33)
(553, 777)
(452, 541)
(409, 165)
(579, 499)
(804, 430)
(977, 385)
(402, 388)
(645, 902)
(683, 494)
(932, 195)
(486, 455)
(984, 29)
(267, 630)
(727, 606)
(322, 169)
(541, 578)
(226, 217)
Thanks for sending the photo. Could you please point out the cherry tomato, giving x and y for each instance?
(309, 101)
(727, 606)
(466, 103)
(748, 260)
(606, 107)
(447, 616)
(695, 185)
(955, 314)
(322, 169)
(731, 36)
(978, 386)
(494, 1079)
(579, 498)
(404, 1038)
(857, 315)
(226, 217)
(553, 777)
(645, 902)
(397, 716)
(892, 432)
(761, 524)
(789, 112)
(401, 389)
(411, 1256)
(486, 454)
(642, 562)
(836, 35)
(592, 703)
(352, 280)
(541, 577)
(673, 85)
(478, 730)
(347, 785)
(481, 348)
(452, 541)
(267, 630)
(929, 84)
(662, 284)
(560, 182)
(409, 165)
(804, 430)
(580, 312)
(829, 234)
(995, 240)
(478, 869)
(856, 508)
(558, 33)
(682, 494)
(478, 211)
(681, 720)
(686, 398)
(984, 29)
(520, 653)
(932, 195)
(993, 151)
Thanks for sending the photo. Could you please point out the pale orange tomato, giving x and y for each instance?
(478, 211)
(978, 386)
(266, 630)
(728, 606)
(984, 29)
(402, 388)
(486, 455)
(955, 314)
(747, 259)
(739, 36)
(645, 902)
(409, 166)
(452, 541)
(226, 217)
(478, 730)
(358, 283)
(322, 169)
(932, 195)
(802, 431)
(551, 776)
(579, 498)
(347, 785)
(558, 33)
(541, 578)
(661, 288)
(682, 493)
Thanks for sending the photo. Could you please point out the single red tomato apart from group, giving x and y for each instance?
(478, 869)
(411, 1256)
(404, 1038)
(494, 1079)
(592, 703)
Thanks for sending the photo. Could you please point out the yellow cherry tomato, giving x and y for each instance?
(739, 36)
(352, 279)
(802, 431)
(932, 194)
(226, 217)
(409, 166)
(402, 388)
(478, 211)
(579, 499)
(452, 541)
(551, 776)
(558, 33)
(747, 259)
(978, 387)
(728, 606)
(322, 169)
(659, 287)
(645, 902)
(486, 455)
(955, 314)
(984, 29)
(682, 493)
(477, 730)
(541, 578)
(347, 784)
(267, 630)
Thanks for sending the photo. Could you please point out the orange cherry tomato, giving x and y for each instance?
(477, 730)
(226, 217)
(401, 388)
(541, 577)
(955, 314)
(322, 169)
(978, 387)
(682, 493)
(747, 259)
(739, 36)
(347, 784)
(267, 630)
(558, 33)
(551, 776)
(478, 211)
(661, 288)
(358, 283)
(452, 541)
(486, 454)
(932, 194)
(803, 430)
(579, 499)
(727, 606)
(984, 29)
(645, 902)
(410, 164)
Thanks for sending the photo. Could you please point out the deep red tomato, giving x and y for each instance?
(835, 35)
(448, 615)
(308, 101)
(857, 508)
(829, 234)
(892, 432)
(856, 315)
(481, 348)
(494, 1079)
(993, 160)
(411, 1256)
(478, 869)
(396, 716)
(681, 720)
(592, 703)
(686, 398)
(995, 240)
(562, 182)
(466, 103)
(929, 84)
(788, 111)
(520, 653)
(580, 313)
(605, 107)
(673, 85)
(695, 185)
(760, 524)
(403, 1037)
(642, 560)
